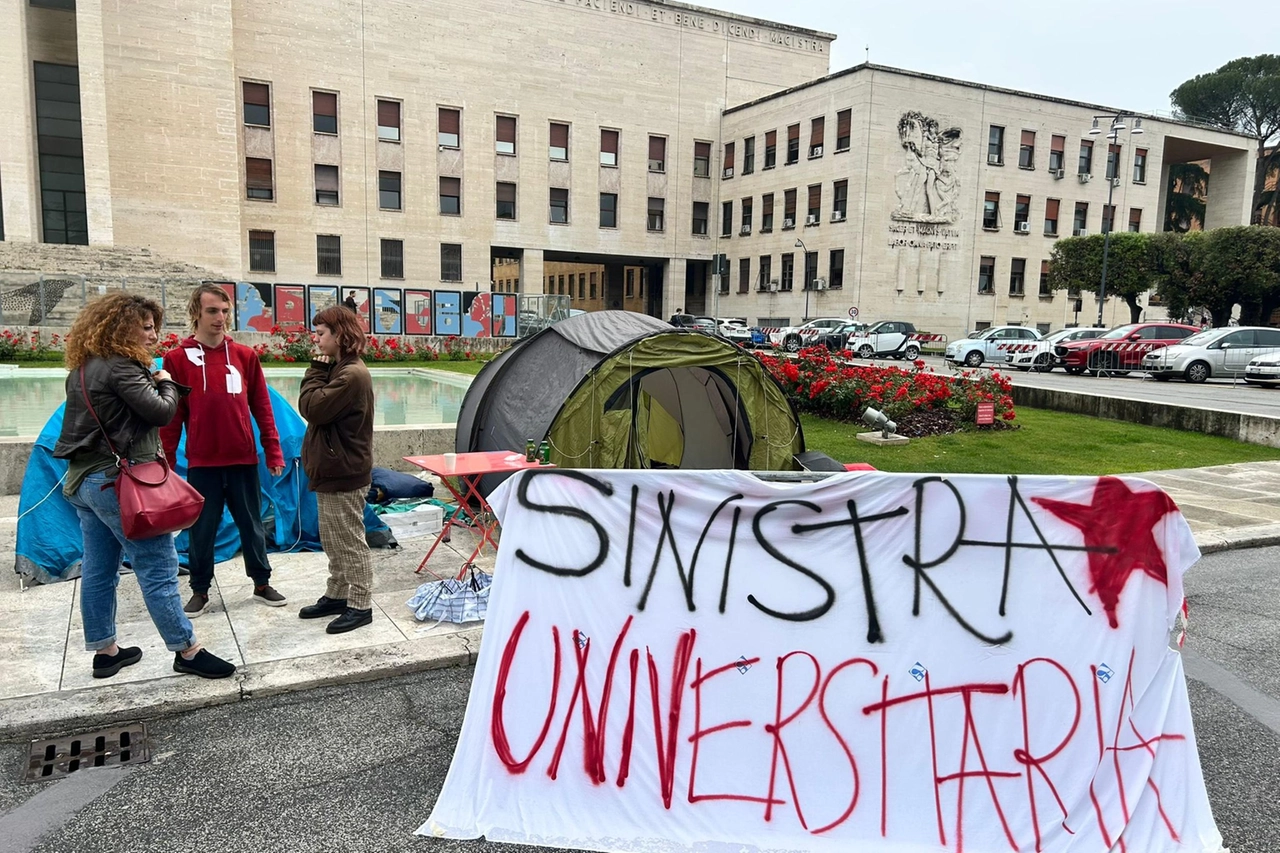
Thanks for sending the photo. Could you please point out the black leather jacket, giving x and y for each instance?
(129, 402)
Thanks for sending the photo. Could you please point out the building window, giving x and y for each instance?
(746, 216)
(630, 290)
(991, 212)
(702, 159)
(1108, 217)
(995, 145)
(793, 144)
(1086, 157)
(559, 141)
(644, 277)
(1022, 214)
(766, 270)
(449, 124)
(728, 160)
(257, 104)
(771, 149)
(810, 271)
(393, 259)
(327, 185)
(608, 148)
(840, 201)
(451, 262)
(657, 210)
(1017, 277)
(389, 191)
(388, 120)
(506, 135)
(817, 131)
(1081, 222)
(814, 213)
(328, 254)
(608, 210)
(562, 291)
(1027, 150)
(986, 274)
(726, 219)
(324, 112)
(1113, 162)
(657, 154)
(788, 269)
(844, 122)
(1135, 219)
(592, 292)
(748, 155)
(450, 196)
(262, 251)
(788, 209)
(835, 270)
(1057, 156)
(63, 205)
(744, 275)
(1051, 217)
(582, 285)
(1044, 280)
(1139, 165)
(257, 178)
(701, 210)
(766, 213)
(559, 206)
(506, 200)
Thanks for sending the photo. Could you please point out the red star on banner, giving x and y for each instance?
(1117, 529)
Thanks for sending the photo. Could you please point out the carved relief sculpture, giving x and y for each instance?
(927, 185)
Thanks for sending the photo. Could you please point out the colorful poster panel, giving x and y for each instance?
(253, 307)
(357, 299)
(291, 307)
(477, 308)
(388, 311)
(319, 297)
(417, 312)
(448, 312)
(504, 315)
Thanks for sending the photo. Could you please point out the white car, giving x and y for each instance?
(1039, 356)
(1263, 370)
(891, 338)
(793, 338)
(1213, 352)
(736, 330)
(990, 345)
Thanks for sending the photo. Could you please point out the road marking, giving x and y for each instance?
(1249, 699)
(48, 810)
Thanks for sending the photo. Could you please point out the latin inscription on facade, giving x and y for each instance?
(931, 237)
(701, 23)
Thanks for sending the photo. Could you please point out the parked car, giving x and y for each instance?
(972, 352)
(1213, 352)
(1264, 370)
(735, 329)
(888, 338)
(792, 338)
(1038, 355)
(1121, 349)
(836, 339)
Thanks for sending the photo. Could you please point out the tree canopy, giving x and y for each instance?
(1076, 264)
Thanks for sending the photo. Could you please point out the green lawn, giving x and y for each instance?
(1048, 443)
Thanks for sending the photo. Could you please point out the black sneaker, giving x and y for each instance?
(197, 604)
(105, 666)
(204, 664)
(326, 606)
(349, 621)
(266, 594)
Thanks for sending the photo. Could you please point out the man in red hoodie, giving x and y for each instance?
(227, 385)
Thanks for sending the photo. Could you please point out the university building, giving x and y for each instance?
(643, 155)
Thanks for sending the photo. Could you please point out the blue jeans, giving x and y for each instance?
(154, 562)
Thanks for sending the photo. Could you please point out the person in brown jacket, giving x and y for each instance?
(336, 399)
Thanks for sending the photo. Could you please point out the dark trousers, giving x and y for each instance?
(237, 488)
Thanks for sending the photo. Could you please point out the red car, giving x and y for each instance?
(1120, 349)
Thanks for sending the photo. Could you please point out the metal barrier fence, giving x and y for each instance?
(1119, 357)
(929, 341)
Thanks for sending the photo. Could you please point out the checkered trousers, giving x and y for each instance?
(342, 536)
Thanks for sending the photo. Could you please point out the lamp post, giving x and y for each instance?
(800, 245)
(1113, 134)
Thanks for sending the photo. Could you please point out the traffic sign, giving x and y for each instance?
(853, 313)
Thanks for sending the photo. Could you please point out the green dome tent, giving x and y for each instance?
(616, 389)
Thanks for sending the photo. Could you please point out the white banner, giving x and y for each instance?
(705, 661)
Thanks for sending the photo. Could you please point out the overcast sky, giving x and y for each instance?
(1120, 53)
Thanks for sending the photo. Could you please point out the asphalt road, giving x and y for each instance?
(356, 768)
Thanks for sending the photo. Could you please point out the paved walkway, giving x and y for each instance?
(46, 686)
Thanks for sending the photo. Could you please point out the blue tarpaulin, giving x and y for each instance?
(49, 543)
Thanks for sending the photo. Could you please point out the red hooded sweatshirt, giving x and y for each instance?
(226, 385)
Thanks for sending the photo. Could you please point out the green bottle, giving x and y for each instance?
(544, 451)
(530, 451)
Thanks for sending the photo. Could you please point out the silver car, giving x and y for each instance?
(1038, 355)
(1214, 352)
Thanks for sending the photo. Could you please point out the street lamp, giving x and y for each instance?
(800, 245)
(1113, 134)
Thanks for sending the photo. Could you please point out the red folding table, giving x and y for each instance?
(473, 512)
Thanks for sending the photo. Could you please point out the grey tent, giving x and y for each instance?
(616, 389)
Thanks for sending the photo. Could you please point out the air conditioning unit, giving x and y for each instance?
(1084, 177)
(1059, 173)
(745, 230)
(657, 166)
(773, 285)
(837, 216)
(788, 223)
(811, 219)
(1080, 232)
(993, 159)
(1022, 227)
(728, 173)
(815, 151)
(1115, 182)
(819, 284)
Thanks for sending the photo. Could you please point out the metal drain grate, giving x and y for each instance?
(112, 747)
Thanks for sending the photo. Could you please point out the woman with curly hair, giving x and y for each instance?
(109, 352)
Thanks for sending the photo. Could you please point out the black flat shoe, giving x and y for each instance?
(326, 606)
(105, 666)
(349, 621)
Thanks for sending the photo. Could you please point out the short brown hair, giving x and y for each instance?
(195, 304)
(108, 326)
(345, 325)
